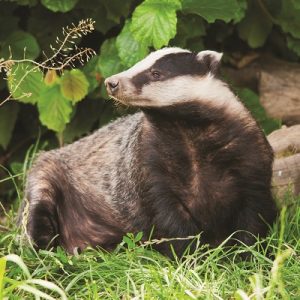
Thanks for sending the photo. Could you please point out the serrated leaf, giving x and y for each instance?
(214, 10)
(109, 60)
(59, 5)
(294, 44)
(251, 101)
(154, 22)
(289, 18)
(255, 27)
(20, 44)
(25, 82)
(130, 51)
(54, 110)
(74, 85)
(8, 117)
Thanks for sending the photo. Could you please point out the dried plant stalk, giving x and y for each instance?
(60, 58)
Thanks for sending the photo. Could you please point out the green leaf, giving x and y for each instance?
(8, 117)
(139, 236)
(25, 82)
(59, 5)
(212, 10)
(130, 51)
(154, 22)
(289, 18)
(20, 44)
(54, 110)
(251, 101)
(255, 27)
(240, 13)
(294, 44)
(109, 60)
(74, 85)
(129, 242)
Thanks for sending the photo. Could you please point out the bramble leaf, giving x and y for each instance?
(54, 109)
(20, 44)
(154, 22)
(74, 85)
(25, 82)
(214, 10)
(130, 51)
(255, 27)
(109, 61)
(59, 5)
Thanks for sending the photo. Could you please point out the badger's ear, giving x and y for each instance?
(211, 59)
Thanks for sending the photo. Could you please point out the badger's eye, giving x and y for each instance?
(155, 74)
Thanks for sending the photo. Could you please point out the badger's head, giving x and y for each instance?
(169, 76)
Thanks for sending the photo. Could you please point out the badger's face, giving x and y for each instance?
(166, 77)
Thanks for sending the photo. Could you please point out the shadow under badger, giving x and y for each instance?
(193, 160)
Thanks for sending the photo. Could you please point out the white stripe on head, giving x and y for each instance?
(189, 88)
(149, 61)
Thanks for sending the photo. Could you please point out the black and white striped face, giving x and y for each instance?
(169, 76)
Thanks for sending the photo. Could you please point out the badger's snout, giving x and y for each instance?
(112, 85)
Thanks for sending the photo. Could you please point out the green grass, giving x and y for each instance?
(135, 271)
(141, 273)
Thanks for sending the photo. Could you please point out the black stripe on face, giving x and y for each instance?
(170, 66)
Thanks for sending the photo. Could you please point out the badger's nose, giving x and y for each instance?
(112, 85)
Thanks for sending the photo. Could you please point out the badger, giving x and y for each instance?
(191, 161)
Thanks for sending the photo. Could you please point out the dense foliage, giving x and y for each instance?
(58, 102)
